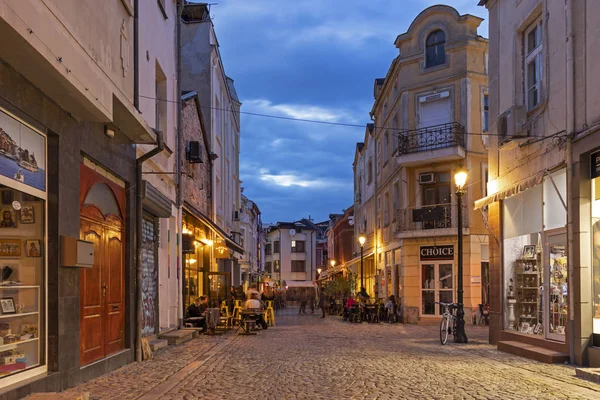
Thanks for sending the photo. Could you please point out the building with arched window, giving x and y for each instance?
(429, 121)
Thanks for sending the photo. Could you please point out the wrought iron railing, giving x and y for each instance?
(440, 216)
(431, 138)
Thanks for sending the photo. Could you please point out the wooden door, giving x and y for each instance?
(102, 320)
(114, 270)
(92, 299)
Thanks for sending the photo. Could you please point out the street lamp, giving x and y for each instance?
(332, 263)
(460, 178)
(361, 240)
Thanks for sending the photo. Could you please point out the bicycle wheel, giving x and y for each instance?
(444, 329)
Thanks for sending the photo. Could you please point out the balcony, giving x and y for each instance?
(435, 220)
(444, 142)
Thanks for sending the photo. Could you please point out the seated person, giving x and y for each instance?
(198, 310)
(254, 304)
(350, 302)
(363, 294)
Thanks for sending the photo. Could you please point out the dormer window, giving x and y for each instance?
(435, 53)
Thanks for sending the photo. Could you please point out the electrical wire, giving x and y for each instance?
(320, 122)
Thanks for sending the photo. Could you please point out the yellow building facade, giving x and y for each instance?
(429, 120)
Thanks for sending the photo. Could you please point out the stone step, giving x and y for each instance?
(534, 352)
(589, 374)
(195, 331)
(177, 337)
(158, 344)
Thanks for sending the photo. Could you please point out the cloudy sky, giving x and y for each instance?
(309, 59)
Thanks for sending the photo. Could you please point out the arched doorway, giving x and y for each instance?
(102, 290)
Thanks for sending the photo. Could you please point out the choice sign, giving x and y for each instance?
(437, 252)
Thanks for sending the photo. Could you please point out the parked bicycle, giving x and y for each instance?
(448, 324)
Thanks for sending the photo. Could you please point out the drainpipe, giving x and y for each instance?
(136, 57)
(139, 198)
(570, 125)
(179, 200)
(375, 247)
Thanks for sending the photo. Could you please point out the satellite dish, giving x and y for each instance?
(292, 232)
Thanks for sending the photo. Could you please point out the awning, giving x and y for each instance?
(511, 190)
(298, 284)
(214, 227)
(155, 202)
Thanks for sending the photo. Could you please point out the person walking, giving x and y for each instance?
(322, 301)
(303, 301)
(312, 301)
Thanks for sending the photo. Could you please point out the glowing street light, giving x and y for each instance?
(460, 178)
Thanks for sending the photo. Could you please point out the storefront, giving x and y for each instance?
(534, 264)
(23, 248)
(204, 244)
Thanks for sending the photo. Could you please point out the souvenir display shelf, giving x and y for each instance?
(19, 327)
(528, 307)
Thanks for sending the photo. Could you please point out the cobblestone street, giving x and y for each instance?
(306, 357)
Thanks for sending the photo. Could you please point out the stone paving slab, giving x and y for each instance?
(306, 357)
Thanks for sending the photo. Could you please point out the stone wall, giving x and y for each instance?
(196, 184)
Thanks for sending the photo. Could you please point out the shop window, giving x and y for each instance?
(596, 261)
(22, 280)
(535, 260)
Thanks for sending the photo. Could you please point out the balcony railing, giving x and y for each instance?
(440, 216)
(431, 138)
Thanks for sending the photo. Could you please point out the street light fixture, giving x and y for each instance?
(319, 271)
(332, 263)
(361, 240)
(460, 178)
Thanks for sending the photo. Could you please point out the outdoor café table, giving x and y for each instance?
(248, 319)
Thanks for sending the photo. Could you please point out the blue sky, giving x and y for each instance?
(311, 59)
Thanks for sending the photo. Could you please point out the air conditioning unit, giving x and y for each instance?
(427, 178)
(194, 152)
(511, 123)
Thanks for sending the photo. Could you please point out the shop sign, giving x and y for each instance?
(437, 253)
(595, 164)
(476, 280)
(221, 250)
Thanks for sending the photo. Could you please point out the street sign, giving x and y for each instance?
(428, 253)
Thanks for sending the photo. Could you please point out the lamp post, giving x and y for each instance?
(361, 240)
(460, 178)
(319, 273)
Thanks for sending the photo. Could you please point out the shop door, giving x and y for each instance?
(556, 315)
(102, 287)
(149, 276)
(219, 284)
(102, 291)
(437, 281)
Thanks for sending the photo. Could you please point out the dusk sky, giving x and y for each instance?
(309, 59)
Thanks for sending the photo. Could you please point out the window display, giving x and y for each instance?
(596, 260)
(21, 281)
(535, 259)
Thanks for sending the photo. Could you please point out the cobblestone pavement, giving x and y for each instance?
(306, 357)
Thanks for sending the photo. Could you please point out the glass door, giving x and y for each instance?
(556, 286)
(436, 286)
(219, 287)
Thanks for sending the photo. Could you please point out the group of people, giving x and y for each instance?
(253, 300)
(307, 297)
(390, 307)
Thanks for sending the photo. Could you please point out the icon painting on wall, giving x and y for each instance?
(22, 153)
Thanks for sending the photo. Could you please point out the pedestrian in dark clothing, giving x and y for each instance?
(312, 301)
(303, 301)
(322, 302)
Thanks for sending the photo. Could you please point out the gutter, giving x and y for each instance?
(179, 197)
(136, 56)
(570, 125)
(139, 198)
